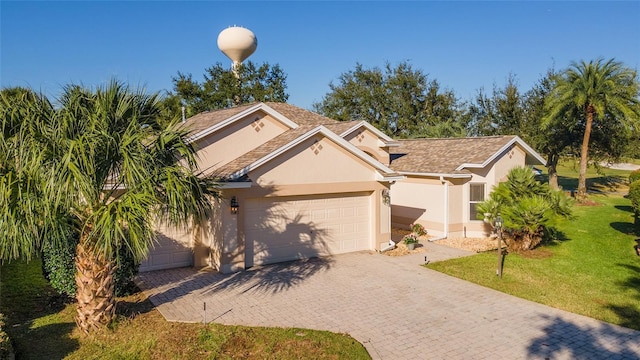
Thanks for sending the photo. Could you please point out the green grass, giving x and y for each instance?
(41, 326)
(592, 271)
(598, 179)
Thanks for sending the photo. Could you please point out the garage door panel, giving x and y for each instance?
(281, 229)
(172, 250)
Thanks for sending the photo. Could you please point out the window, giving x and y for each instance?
(476, 196)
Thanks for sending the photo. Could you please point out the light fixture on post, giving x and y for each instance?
(234, 205)
(498, 224)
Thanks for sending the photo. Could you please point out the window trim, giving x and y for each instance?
(484, 197)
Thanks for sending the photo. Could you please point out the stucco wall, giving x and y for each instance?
(315, 160)
(368, 142)
(418, 200)
(244, 135)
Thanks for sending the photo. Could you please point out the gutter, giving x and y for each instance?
(446, 210)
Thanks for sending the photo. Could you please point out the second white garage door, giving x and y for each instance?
(289, 228)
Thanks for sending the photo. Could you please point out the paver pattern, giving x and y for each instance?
(395, 307)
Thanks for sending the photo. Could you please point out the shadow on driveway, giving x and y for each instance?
(168, 286)
(575, 340)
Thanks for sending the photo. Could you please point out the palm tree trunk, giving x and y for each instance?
(95, 295)
(582, 179)
(552, 165)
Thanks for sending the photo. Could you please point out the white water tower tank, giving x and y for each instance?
(237, 43)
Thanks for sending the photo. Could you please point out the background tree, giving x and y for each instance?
(223, 88)
(106, 167)
(604, 93)
(552, 141)
(499, 114)
(399, 101)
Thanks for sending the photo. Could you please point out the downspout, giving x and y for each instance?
(446, 210)
(391, 244)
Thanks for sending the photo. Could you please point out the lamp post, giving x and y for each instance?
(498, 225)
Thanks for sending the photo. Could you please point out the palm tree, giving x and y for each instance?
(104, 165)
(602, 91)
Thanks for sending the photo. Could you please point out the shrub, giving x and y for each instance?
(58, 265)
(6, 349)
(634, 196)
(634, 176)
(418, 229)
(529, 208)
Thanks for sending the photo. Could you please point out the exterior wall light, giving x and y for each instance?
(234, 205)
(386, 198)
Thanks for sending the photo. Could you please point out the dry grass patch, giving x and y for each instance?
(471, 244)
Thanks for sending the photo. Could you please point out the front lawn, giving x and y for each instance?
(593, 270)
(41, 326)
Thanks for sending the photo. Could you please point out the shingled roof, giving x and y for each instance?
(205, 120)
(445, 156)
(300, 116)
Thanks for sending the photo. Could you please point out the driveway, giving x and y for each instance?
(392, 305)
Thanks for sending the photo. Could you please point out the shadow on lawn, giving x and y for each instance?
(599, 184)
(626, 208)
(577, 340)
(626, 228)
(554, 237)
(51, 341)
(628, 313)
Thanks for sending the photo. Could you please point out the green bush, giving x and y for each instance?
(58, 266)
(634, 196)
(126, 269)
(528, 207)
(634, 176)
(6, 349)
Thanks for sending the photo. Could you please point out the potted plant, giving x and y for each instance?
(410, 240)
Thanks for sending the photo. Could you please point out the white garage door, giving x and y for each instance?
(289, 228)
(172, 250)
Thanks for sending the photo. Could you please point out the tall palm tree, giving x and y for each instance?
(602, 91)
(105, 166)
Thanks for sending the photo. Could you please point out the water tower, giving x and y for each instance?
(237, 43)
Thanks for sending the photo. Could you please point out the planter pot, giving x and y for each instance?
(411, 246)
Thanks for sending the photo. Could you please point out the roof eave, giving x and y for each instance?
(324, 131)
(261, 106)
(435, 174)
(516, 139)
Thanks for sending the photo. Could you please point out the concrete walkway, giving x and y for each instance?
(392, 305)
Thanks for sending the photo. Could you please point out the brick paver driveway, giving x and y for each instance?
(396, 308)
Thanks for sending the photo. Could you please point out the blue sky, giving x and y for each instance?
(463, 45)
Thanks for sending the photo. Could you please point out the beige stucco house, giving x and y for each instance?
(297, 185)
(446, 178)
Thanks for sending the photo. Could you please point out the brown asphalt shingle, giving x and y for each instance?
(341, 126)
(443, 156)
(300, 116)
(207, 119)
